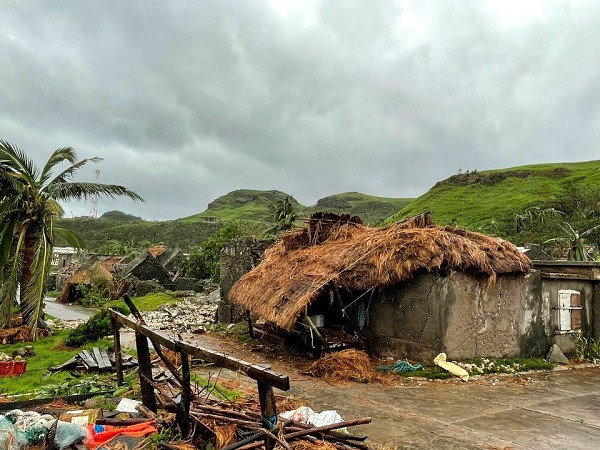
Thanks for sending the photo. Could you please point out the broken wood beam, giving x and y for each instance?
(118, 357)
(145, 372)
(333, 426)
(253, 371)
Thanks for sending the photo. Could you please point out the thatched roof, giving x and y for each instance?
(298, 268)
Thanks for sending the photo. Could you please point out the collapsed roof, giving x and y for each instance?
(340, 249)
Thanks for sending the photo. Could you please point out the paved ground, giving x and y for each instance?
(557, 410)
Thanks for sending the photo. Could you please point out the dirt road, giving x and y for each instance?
(557, 410)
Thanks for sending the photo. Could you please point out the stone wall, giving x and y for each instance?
(238, 257)
(462, 315)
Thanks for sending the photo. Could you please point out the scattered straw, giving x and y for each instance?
(353, 365)
(315, 445)
(224, 436)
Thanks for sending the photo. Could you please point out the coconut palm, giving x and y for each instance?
(28, 206)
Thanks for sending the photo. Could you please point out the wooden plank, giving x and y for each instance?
(70, 364)
(106, 359)
(88, 359)
(145, 372)
(253, 371)
(29, 404)
(186, 395)
(98, 357)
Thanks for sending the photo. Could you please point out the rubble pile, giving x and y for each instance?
(188, 315)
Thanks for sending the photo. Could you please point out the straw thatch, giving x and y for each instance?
(298, 268)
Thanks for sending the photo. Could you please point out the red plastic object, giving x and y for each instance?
(13, 368)
(6, 368)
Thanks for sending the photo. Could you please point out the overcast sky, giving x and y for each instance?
(186, 101)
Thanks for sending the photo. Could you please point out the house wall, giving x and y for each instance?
(579, 276)
(462, 315)
(238, 257)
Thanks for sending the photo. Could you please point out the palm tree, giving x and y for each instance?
(28, 206)
(282, 216)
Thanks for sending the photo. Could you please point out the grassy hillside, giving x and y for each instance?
(373, 210)
(476, 200)
(177, 233)
(244, 205)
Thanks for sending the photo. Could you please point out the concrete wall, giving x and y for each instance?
(238, 257)
(461, 315)
(579, 276)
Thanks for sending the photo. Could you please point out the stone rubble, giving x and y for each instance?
(189, 315)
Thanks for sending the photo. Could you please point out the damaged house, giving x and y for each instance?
(412, 289)
(153, 269)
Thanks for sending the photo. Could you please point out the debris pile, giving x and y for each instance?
(353, 365)
(67, 427)
(188, 315)
(96, 359)
(20, 334)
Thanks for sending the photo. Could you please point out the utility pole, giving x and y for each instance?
(94, 211)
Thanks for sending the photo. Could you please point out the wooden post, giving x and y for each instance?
(118, 359)
(250, 328)
(186, 394)
(145, 371)
(268, 410)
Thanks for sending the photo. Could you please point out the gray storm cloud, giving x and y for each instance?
(186, 101)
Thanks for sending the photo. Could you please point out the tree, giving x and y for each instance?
(28, 208)
(282, 216)
(204, 261)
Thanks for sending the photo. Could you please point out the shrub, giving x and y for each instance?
(203, 261)
(95, 328)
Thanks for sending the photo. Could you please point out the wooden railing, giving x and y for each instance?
(266, 379)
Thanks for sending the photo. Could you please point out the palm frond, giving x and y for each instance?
(8, 185)
(7, 234)
(58, 156)
(590, 231)
(85, 190)
(9, 284)
(68, 173)
(32, 295)
(14, 158)
(72, 238)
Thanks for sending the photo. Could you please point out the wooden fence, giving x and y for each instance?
(266, 379)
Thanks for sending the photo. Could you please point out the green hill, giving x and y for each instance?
(244, 205)
(120, 216)
(477, 199)
(373, 210)
(176, 233)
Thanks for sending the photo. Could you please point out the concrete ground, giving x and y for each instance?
(542, 410)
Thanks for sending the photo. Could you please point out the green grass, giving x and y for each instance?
(474, 200)
(217, 390)
(47, 355)
(149, 302)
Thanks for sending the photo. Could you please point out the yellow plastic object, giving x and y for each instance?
(440, 360)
